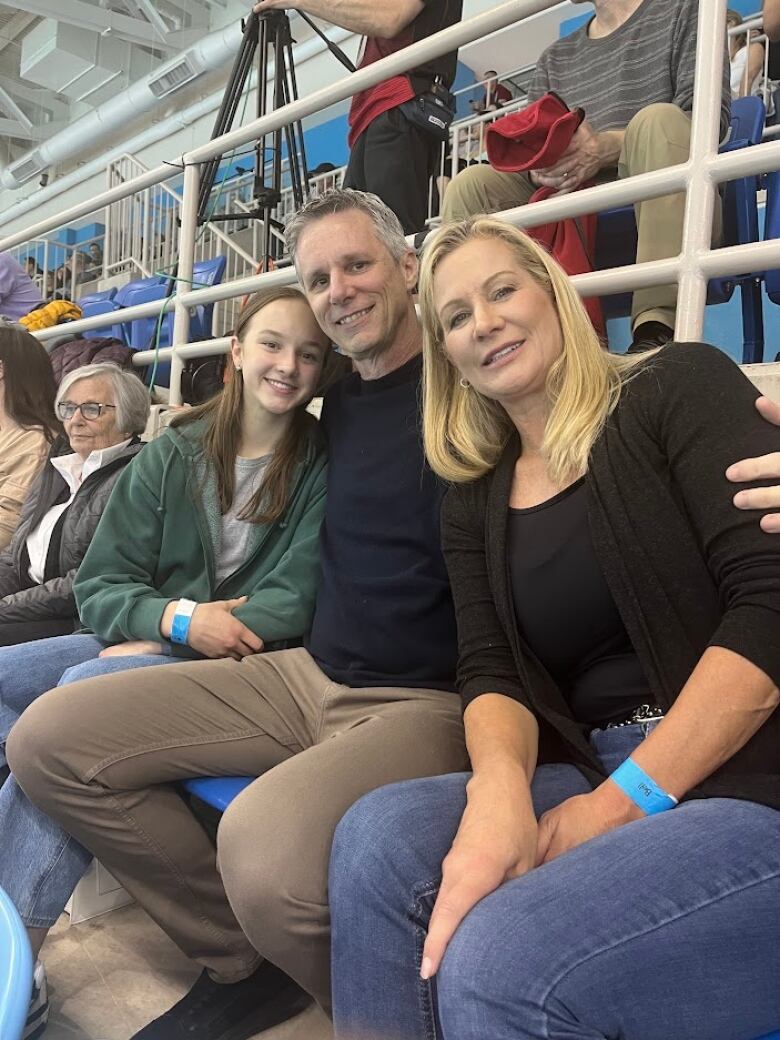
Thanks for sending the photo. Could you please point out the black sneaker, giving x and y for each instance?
(230, 1011)
(649, 335)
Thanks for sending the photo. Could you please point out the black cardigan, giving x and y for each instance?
(686, 568)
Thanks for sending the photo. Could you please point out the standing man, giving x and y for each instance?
(389, 156)
(631, 69)
(369, 701)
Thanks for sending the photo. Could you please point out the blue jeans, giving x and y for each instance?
(668, 927)
(40, 864)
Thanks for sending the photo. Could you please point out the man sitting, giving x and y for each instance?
(631, 68)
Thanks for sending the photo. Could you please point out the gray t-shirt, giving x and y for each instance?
(650, 58)
(235, 533)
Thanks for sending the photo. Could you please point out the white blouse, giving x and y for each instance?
(74, 470)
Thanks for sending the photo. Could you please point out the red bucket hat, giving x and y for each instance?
(534, 138)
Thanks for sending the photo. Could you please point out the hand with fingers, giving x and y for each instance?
(764, 467)
(214, 632)
(496, 841)
(581, 161)
(582, 817)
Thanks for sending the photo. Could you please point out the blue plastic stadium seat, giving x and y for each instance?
(16, 971)
(218, 792)
(616, 235)
(98, 303)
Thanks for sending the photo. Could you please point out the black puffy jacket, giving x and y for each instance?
(21, 599)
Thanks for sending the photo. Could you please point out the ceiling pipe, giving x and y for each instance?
(141, 98)
(158, 131)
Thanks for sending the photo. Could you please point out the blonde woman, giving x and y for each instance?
(612, 865)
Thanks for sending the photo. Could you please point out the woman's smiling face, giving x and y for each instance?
(500, 327)
(281, 355)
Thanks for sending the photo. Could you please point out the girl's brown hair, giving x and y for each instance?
(28, 379)
(222, 438)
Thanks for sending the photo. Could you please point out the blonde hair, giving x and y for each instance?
(465, 432)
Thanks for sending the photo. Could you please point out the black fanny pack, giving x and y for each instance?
(432, 111)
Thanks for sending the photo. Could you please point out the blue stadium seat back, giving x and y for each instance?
(770, 1036)
(16, 971)
(616, 233)
(218, 792)
(97, 303)
(748, 118)
(139, 334)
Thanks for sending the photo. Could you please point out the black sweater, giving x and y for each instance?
(686, 568)
(384, 614)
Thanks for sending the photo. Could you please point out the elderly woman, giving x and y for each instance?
(28, 424)
(103, 410)
(618, 625)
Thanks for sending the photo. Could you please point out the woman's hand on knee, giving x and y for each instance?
(496, 841)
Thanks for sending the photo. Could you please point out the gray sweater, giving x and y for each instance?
(20, 598)
(649, 58)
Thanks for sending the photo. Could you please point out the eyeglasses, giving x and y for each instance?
(89, 409)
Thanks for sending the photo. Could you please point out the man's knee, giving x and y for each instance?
(85, 670)
(480, 189)
(662, 121)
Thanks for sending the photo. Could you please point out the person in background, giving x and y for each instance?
(390, 155)
(496, 94)
(747, 60)
(771, 18)
(629, 649)
(32, 268)
(207, 549)
(103, 410)
(18, 292)
(28, 423)
(631, 68)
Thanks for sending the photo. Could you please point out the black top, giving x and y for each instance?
(566, 613)
(384, 614)
(686, 568)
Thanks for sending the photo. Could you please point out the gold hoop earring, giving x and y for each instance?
(465, 383)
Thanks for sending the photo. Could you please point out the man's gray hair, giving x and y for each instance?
(131, 397)
(342, 200)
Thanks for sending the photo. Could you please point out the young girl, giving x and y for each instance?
(208, 548)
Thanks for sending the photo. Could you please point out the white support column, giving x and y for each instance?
(181, 314)
(702, 191)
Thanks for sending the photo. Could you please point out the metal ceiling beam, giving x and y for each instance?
(10, 108)
(11, 128)
(14, 27)
(40, 96)
(148, 11)
(90, 17)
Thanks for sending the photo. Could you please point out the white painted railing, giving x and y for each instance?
(699, 176)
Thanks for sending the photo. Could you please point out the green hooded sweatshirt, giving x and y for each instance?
(158, 539)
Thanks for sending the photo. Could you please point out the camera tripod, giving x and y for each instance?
(265, 35)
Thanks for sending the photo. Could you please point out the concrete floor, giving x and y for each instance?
(109, 976)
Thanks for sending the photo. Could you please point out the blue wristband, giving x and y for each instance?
(642, 789)
(180, 626)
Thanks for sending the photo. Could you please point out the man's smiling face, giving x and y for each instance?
(359, 293)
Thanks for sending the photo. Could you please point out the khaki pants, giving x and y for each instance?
(102, 757)
(658, 136)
